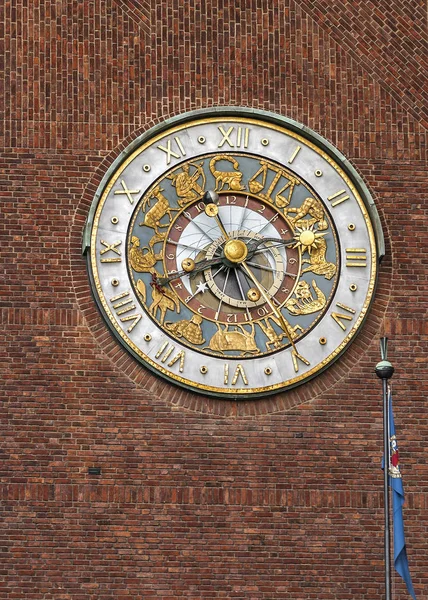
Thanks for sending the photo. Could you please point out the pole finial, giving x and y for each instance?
(383, 347)
(384, 369)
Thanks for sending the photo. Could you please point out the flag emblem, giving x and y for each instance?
(400, 555)
(394, 458)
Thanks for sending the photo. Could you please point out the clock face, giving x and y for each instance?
(231, 254)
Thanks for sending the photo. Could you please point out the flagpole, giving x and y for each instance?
(384, 370)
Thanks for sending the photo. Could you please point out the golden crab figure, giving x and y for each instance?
(306, 238)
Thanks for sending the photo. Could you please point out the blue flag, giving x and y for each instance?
(400, 556)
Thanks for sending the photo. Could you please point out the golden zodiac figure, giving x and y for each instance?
(274, 340)
(242, 340)
(153, 216)
(141, 287)
(157, 237)
(256, 186)
(163, 300)
(304, 303)
(312, 207)
(140, 260)
(317, 261)
(230, 178)
(186, 183)
(190, 330)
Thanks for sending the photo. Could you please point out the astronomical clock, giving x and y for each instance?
(233, 252)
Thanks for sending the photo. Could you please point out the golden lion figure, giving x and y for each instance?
(317, 261)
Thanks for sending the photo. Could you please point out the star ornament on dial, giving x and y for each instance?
(233, 253)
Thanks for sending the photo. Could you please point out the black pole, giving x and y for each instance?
(384, 370)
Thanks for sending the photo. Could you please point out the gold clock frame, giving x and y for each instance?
(301, 135)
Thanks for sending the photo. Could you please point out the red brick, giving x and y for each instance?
(199, 498)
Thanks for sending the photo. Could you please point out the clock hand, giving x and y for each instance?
(210, 200)
(212, 211)
(282, 322)
(222, 229)
(236, 272)
(203, 264)
(221, 297)
(199, 266)
(254, 244)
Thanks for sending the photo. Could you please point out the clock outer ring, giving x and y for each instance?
(276, 121)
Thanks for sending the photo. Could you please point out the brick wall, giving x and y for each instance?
(198, 498)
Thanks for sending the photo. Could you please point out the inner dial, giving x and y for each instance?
(231, 284)
(246, 234)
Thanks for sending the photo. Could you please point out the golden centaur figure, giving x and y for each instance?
(186, 183)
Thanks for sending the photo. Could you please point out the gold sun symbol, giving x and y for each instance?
(306, 238)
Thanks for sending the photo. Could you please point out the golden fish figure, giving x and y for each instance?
(141, 287)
